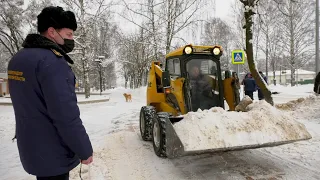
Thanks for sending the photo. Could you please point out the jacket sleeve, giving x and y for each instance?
(56, 80)
(256, 87)
(266, 79)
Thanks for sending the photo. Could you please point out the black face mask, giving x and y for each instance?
(68, 45)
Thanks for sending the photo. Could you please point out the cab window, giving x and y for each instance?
(173, 66)
(206, 66)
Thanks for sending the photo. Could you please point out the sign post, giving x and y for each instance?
(238, 57)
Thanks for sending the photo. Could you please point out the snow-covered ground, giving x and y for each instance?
(119, 152)
(80, 97)
(286, 93)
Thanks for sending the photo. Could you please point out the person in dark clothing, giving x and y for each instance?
(250, 85)
(316, 87)
(236, 85)
(260, 94)
(50, 135)
(201, 91)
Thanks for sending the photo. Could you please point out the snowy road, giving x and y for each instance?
(121, 154)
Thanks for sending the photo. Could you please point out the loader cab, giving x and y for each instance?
(204, 77)
(199, 68)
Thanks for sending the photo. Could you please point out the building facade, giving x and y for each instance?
(4, 87)
(284, 76)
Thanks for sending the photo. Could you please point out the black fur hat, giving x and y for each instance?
(57, 18)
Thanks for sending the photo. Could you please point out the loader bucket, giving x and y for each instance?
(175, 147)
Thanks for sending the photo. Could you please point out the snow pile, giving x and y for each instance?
(298, 90)
(244, 104)
(217, 128)
(307, 108)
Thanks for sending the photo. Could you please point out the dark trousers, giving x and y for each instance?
(260, 94)
(59, 177)
(249, 93)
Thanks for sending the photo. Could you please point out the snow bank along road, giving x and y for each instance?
(121, 154)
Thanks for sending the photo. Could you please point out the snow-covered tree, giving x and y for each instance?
(11, 23)
(217, 31)
(267, 20)
(84, 52)
(249, 11)
(135, 55)
(237, 29)
(32, 11)
(15, 23)
(297, 27)
(163, 19)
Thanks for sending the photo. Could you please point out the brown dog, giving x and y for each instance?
(128, 97)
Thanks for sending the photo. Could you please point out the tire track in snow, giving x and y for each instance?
(247, 164)
(125, 151)
(188, 173)
(211, 166)
(225, 166)
(293, 165)
(126, 158)
(217, 166)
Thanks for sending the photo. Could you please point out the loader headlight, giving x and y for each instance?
(188, 50)
(216, 51)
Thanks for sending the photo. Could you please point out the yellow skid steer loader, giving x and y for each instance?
(171, 94)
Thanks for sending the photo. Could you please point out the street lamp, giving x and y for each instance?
(99, 61)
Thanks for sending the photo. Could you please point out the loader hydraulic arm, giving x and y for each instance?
(231, 92)
(188, 94)
(155, 90)
(158, 73)
(158, 69)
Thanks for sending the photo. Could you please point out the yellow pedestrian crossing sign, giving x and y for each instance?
(238, 57)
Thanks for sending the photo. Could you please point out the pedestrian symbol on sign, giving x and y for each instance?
(238, 57)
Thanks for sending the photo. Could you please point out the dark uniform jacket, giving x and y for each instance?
(250, 84)
(50, 135)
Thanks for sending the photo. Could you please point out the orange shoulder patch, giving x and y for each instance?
(56, 53)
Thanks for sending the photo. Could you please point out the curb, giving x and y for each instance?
(6, 104)
(104, 93)
(81, 102)
(94, 101)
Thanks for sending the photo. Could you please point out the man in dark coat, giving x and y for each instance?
(260, 94)
(50, 135)
(250, 85)
(201, 92)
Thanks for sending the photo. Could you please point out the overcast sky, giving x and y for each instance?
(191, 35)
(223, 9)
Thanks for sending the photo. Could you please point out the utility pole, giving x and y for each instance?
(317, 38)
(100, 73)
